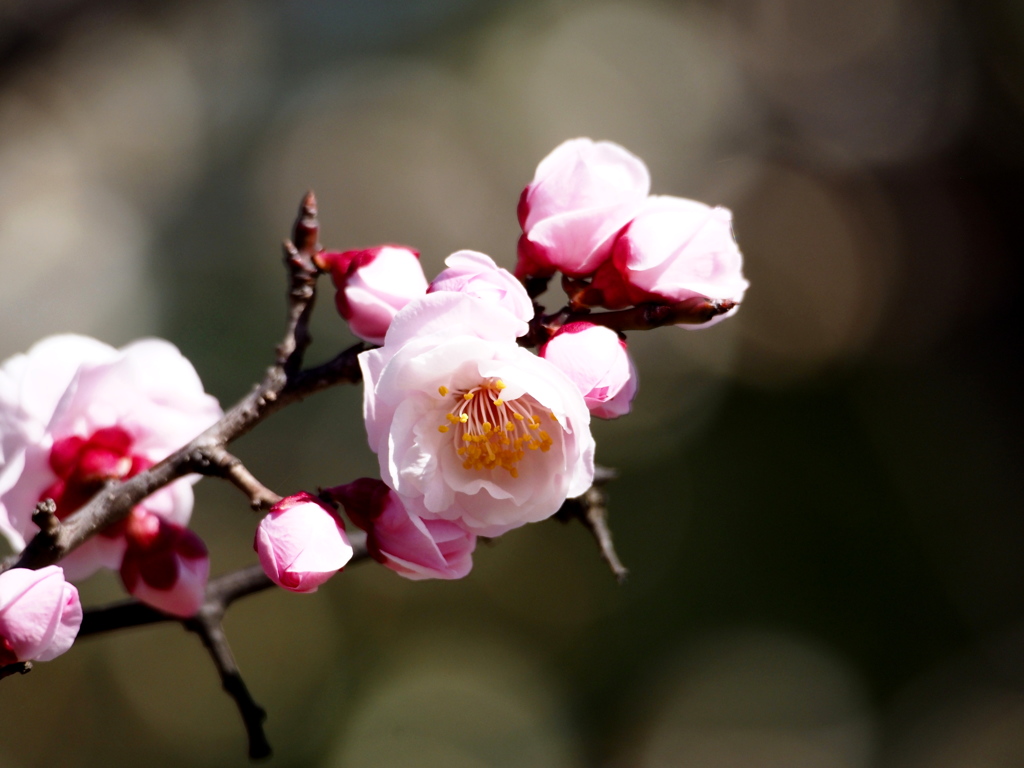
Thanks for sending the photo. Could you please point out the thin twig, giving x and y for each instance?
(208, 625)
(645, 317)
(223, 464)
(591, 509)
(17, 668)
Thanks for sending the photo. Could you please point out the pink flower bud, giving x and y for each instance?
(301, 543)
(581, 195)
(40, 614)
(674, 250)
(595, 358)
(402, 540)
(165, 565)
(477, 275)
(373, 284)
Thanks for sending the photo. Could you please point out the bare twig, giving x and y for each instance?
(591, 509)
(17, 668)
(208, 625)
(644, 317)
(230, 467)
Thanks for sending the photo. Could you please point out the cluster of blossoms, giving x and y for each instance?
(475, 433)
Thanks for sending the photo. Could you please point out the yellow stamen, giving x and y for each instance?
(443, 390)
(442, 428)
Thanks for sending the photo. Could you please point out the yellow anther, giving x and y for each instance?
(499, 401)
(487, 426)
(443, 390)
(463, 417)
(468, 396)
(499, 384)
(442, 428)
(517, 416)
(514, 472)
(509, 426)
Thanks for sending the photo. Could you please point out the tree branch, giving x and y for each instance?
(644, 317)
(229, 467)
(282, 385)
(591, 509)
(208, 624)
(17, 668)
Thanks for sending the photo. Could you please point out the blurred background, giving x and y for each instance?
(816, 499)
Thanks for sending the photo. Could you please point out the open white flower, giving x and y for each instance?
(480, 430)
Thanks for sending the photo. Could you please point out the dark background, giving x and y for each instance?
(818, 499)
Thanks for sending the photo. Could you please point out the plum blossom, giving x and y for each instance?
(40, 614)
(581, 195)
(301, 543)
(372, 285)
(467, 424)
(165, 565)
(477, 274)
(401, 539)
(672, 251)
(595, 358)
(76, 413)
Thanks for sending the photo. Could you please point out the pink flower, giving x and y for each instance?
(581, 195)
(76, 413)
(301, 543)
(470, 425)
(40, 614)
(373, 284)
(595, 358)
(672, 251)
(165, 565)
(477, 274)
(403, 541)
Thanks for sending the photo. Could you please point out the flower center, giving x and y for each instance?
(83, 465)
(491, 433)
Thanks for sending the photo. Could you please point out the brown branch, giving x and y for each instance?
(644, 317)
(591, 509)
(225, 465)
(282, 385)
(208, 625)
(17, 668)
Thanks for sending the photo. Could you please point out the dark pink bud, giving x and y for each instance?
(402, 539)
(165, 565)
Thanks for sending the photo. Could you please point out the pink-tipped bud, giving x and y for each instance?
(301, 543)
(165, 565)
(373, 284)
(476, 274)
(400, 538)
(581, 195)
(40, 614)
(672, 251)
(596, 360)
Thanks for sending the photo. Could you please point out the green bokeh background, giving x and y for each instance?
(818, 500)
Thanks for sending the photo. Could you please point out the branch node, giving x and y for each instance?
(45, 516)
(17, 668)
